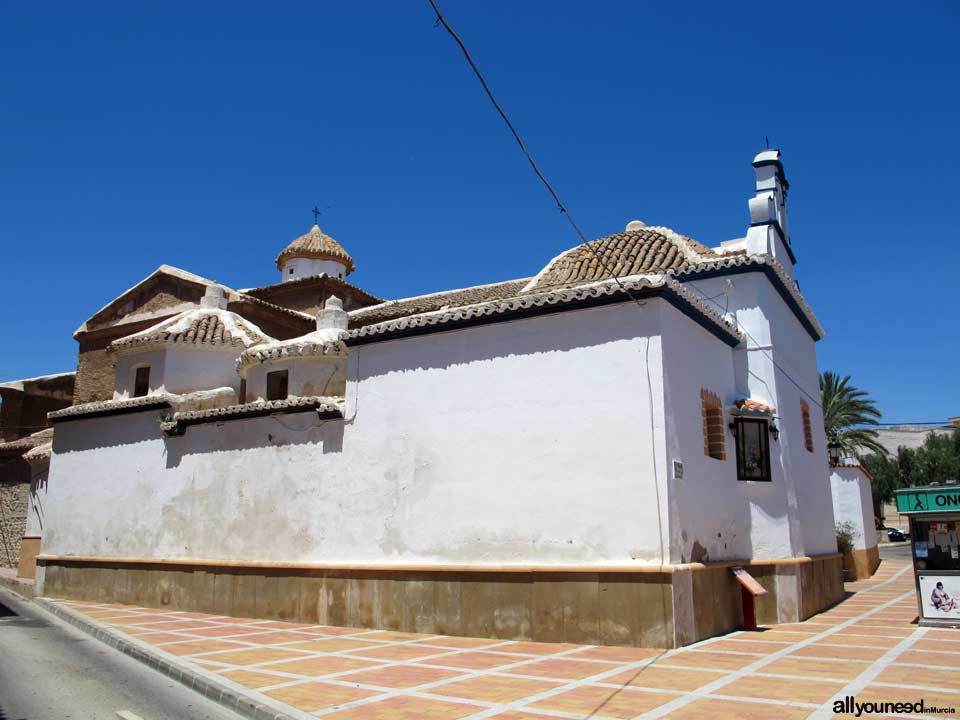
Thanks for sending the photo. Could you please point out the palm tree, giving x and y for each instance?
(849, 416)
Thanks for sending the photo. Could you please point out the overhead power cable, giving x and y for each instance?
(523, 148)
(441, 20)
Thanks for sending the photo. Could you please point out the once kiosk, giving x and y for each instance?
(934, 513)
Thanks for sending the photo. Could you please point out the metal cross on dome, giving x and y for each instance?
(316, 214)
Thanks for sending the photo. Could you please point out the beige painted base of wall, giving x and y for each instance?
(29, 549)
(665, 607)
(861, 564)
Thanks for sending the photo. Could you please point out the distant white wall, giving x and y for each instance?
(306, 267)
(853, 502)
(538, 440)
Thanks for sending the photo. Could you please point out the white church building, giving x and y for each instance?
(581, 455)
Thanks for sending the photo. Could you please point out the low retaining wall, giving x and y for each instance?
(29, 549)
(861, 564)
(664, 606)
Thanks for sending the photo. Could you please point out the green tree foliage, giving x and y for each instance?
(938, 460)
(886, 475)
(849, 416)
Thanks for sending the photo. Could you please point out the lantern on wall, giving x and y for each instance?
(834, 453)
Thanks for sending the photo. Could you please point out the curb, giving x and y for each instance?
(208, 684)
(24, 590)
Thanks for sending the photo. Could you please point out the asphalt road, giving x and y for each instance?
(895, 550)
(49, 670)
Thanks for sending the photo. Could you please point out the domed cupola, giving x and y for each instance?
(314, 253)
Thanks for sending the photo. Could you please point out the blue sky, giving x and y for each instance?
(133, 135)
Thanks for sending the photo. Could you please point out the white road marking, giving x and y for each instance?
(127, 715)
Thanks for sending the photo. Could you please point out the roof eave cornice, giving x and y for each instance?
(774, 271)
(558, 300)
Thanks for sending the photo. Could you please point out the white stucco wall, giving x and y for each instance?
(36, 508)
(776, 361)
(125, 373)
(306, 376)
(179, 370)
(538, 440)
(714, 516)
(306, 267)
(853, 502)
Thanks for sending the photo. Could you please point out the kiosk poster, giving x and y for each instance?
(940, 596)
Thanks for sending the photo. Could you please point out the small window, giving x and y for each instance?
(290, 271)
(714, 441)
(242, 398)
(141, 382)
(753, 449)
(807, 431)
(277, 385)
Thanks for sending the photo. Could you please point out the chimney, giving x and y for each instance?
(214, 298)
(333, 315)
(769, 233)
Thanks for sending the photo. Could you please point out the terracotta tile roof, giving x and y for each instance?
(28, 442)
(317, 245)
(210, 327)
(324, 406)
(394, 309)
(634, 252)
(39, 452)
(289, 285)
(549, 301)
(241, 298)
(97, 320)
(316, 344)
(754, 406)
(110, 407)
(652, 251)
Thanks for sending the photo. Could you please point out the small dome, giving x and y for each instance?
(208, 327)
(316, 245)
(637, 250)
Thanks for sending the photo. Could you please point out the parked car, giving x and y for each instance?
(896, 535)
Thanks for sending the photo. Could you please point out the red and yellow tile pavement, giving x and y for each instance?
(867, 647)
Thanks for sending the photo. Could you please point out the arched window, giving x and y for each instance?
(807, 430)
(714, 440)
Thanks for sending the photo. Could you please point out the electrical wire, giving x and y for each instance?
(759, 346)
(566, 213)
(590, 245)
(600, 261)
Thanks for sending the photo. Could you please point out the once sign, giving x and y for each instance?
(938, 499)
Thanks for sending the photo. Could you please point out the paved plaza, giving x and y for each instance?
(868, 647)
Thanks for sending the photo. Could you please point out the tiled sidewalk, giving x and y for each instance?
(866, 647)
